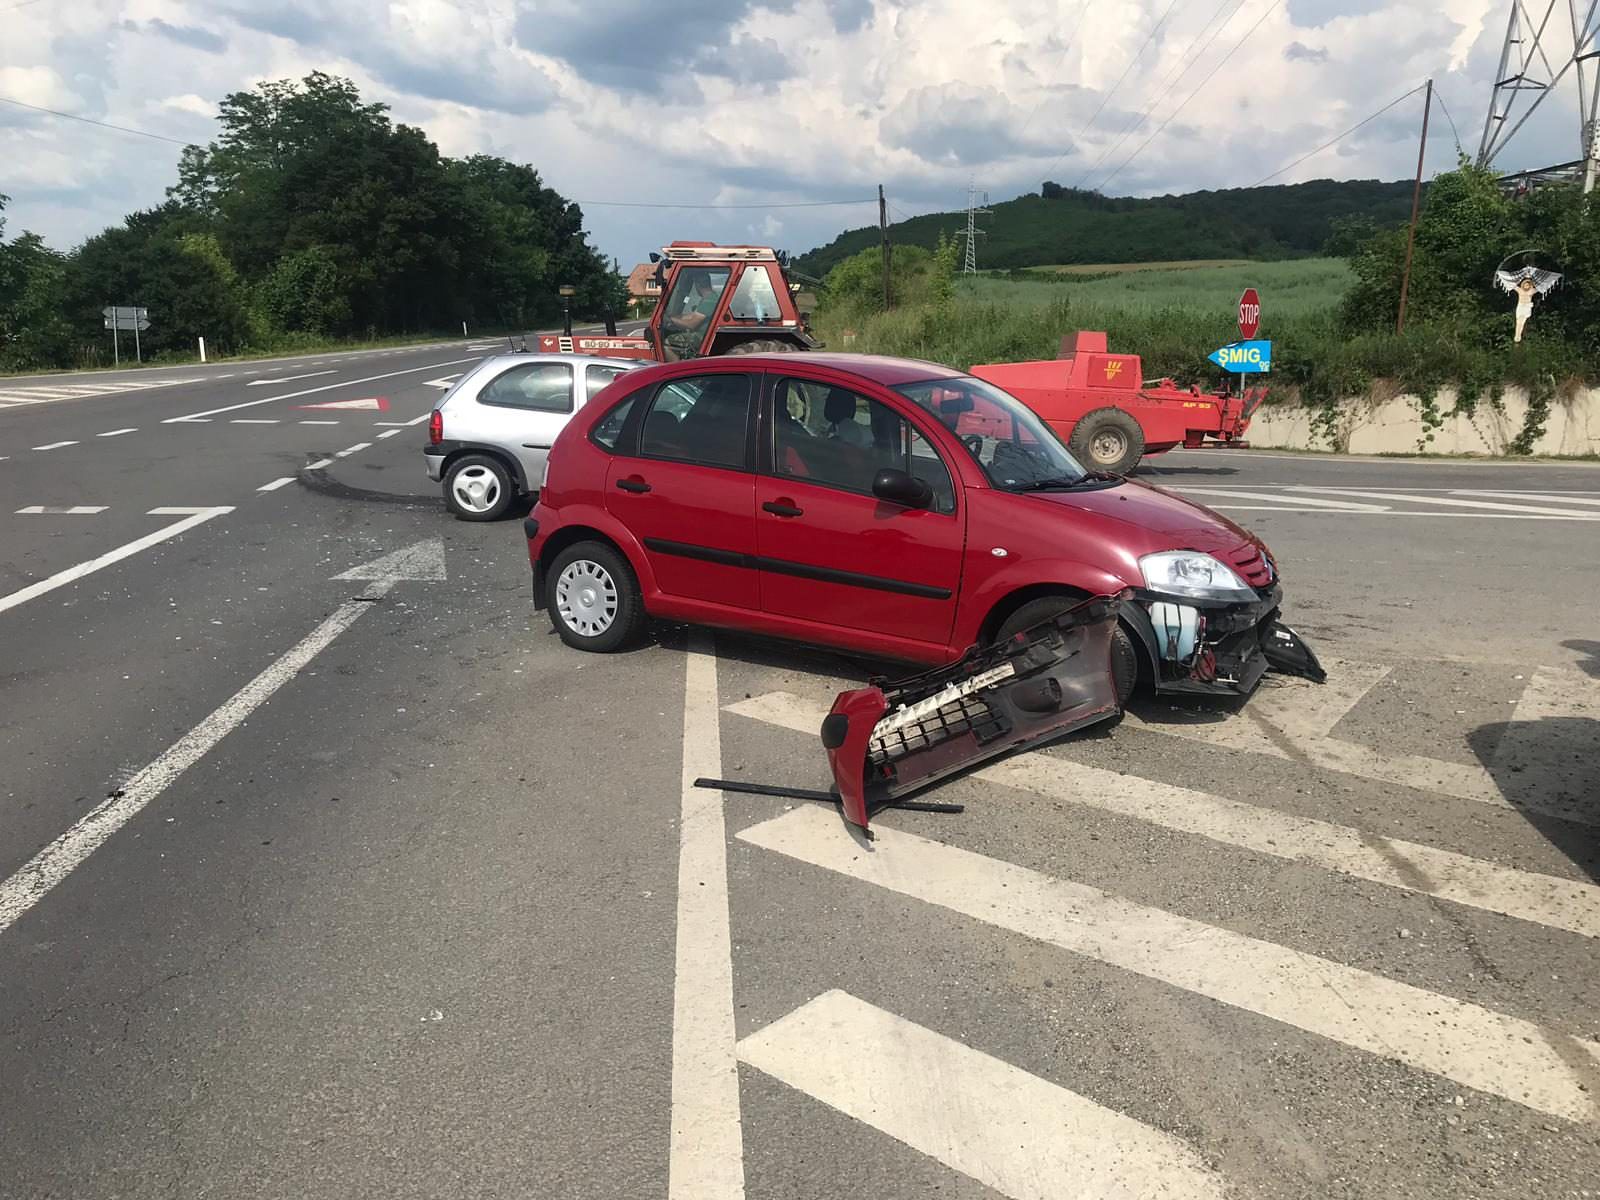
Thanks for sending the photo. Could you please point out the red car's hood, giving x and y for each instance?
(1157, 519)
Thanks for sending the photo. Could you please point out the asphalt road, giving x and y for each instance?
(326, 887)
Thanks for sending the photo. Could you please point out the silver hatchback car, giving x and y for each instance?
(490, 433)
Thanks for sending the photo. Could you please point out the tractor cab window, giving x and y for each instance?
(687, 311)
(754, 299)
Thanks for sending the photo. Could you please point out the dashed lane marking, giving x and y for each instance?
(76, 510)
(349, 450)
(1476, 1047)
(276, 484)
(211, 412)
(54, 445)
(253, 421)
(319, 464)
(1023, 1136)
(116, 432)
(319, 422)
(388, 433)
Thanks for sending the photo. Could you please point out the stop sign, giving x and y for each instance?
(1249, 314)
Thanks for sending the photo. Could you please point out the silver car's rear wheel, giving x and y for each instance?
(586, 598)
(478, 487)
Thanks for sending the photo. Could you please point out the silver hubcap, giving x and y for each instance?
(586, 598)
(475, 488)
(1108, 445)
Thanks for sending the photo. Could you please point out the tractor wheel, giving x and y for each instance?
(1108, 439)
(762, 346)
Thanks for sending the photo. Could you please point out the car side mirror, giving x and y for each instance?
(895, 485)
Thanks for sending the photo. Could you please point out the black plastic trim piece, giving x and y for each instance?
(530, 528)
(779, 566)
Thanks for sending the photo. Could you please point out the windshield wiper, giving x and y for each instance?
(1049, 483)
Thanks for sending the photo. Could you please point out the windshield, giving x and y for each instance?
(1017, 450)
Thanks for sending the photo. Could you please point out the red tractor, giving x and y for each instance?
(1110, 417)
(714, 300)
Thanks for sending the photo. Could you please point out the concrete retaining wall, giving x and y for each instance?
(1395, 426)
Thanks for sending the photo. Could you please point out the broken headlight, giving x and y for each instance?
(1190, 573)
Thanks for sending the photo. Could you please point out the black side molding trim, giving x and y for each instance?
(779, 566)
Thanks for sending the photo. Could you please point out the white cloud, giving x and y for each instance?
(760, 101)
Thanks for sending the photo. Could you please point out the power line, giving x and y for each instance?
(1112, 91)
(653, 204)
(1173, 78)
(160, 137)
(1083, 11)
(1449, 118)
(1342, 136)
(1222, 62)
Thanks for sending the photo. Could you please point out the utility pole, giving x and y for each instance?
(888, 255)
(970, 264)
(1416, 204)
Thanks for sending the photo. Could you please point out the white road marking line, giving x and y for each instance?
(319, 422)
(76, 510)
(1541, 497)
(349, 450)
(1411, 866)
(381, 424)
(1473, 1046)
(56, 861)
(388, 433)
(211, 412)
(276, 484)
(319, 464)
(285, 378)
(116, 432)
(1297, 490)
(418, 420)
(1349, 505)
(1023, 1136)
(195, 516)
(54, 445)
(446, 383)
(252, 420)
(706, 1155)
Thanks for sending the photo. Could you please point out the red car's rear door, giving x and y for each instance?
(688, 495)
(831, 551)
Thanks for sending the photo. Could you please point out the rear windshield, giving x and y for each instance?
(1005, 437)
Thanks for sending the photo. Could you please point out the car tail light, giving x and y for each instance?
(435, 427)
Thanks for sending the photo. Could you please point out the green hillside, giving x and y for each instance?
(1282, 221)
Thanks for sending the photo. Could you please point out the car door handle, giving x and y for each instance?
(782, 508)
(634, 484)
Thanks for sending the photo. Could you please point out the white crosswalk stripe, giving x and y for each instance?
(25, 394)
(1465, 504)
(1476, 1047)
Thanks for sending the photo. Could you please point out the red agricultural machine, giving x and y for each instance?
(714, 300)
(1110, 416)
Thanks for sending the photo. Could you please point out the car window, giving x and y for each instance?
(833, 436)
(538, 387)
(754, 299)
(608, 431)
(597, 377)
(701, 419)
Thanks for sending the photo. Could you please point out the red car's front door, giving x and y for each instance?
(689, 494)
(830, 551)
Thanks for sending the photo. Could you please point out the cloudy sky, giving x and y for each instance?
(733, 103)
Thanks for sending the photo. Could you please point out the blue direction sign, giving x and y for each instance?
(1244, 358)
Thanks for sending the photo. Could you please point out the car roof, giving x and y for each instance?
(532, 357)
(878, 368)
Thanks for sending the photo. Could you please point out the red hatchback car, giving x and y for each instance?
(886, 506)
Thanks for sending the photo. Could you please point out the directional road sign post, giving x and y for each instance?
(121, 316)
(1244, 358)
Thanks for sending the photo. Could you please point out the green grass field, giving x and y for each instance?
(1289, 288)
